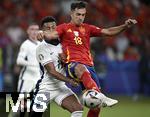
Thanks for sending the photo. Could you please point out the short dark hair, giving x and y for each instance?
(78, 5)
(47, 19)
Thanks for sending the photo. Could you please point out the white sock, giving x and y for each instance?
(77, 114)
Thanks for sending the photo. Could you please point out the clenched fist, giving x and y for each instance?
(40, 35)
(130, 22)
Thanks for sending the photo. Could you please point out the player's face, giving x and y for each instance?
(32, 31)
(49, 26)
(78, 16)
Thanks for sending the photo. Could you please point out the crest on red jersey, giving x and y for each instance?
(76, 33)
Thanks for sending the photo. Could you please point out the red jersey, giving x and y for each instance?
(75, 41)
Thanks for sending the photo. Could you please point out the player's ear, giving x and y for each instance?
(71, 13)
(28, 31)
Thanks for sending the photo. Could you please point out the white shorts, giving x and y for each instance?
(26, 85)
(44, 96)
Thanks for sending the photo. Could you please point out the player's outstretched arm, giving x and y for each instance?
(23, 62)
(47, 35)
(51, 70)
(118, 29)
(23, 56)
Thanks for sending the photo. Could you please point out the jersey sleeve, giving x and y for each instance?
(94, 31)
(22, 55)
(43, 55)
(23, 51)
(60, 29)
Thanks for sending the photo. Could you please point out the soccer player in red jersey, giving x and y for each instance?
(75, 40)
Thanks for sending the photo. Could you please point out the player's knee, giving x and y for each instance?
(77, 107)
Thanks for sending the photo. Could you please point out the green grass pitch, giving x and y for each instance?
(125, 108)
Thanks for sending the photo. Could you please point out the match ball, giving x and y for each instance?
(91, 99)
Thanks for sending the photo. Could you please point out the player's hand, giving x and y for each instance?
(130, 22)
(73, 82)
(40, 35)
(62, 57)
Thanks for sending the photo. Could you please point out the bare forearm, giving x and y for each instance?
(116, 30)
(59, 76)
(51, 70)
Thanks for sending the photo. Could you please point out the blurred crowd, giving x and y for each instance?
(132, 45)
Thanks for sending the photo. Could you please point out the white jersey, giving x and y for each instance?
(27, 59)
(45, 54)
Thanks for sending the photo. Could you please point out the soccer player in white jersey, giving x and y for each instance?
(30, 72)
(52, 84)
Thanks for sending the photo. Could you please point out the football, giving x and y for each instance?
(90, 99)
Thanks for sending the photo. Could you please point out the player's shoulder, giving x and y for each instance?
(26, 43)
(86, 27)
(41, 45)
(65, 25)
(90, 26)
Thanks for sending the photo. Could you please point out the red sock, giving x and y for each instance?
(88, 82)
(94, 112)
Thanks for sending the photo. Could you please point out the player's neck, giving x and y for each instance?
(76, 25)
(33, 41)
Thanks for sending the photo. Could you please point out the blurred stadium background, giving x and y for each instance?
(122, 62)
